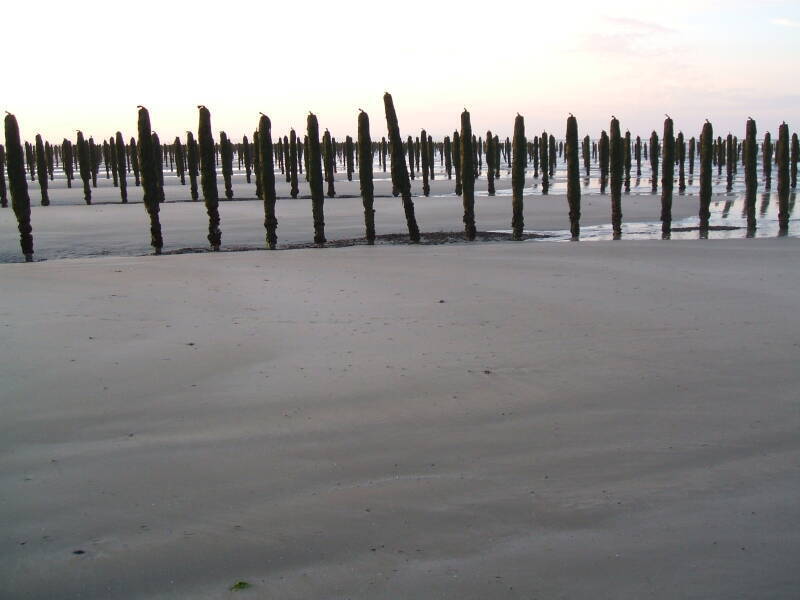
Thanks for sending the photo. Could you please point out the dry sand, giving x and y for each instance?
(607, 420)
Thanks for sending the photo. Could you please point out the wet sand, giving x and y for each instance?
(496, 420)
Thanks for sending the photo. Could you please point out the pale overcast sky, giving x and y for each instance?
(87, 64)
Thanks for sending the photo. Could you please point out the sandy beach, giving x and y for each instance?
(496, 420)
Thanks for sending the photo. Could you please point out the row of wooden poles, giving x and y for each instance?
(119, 158)
(463, 154)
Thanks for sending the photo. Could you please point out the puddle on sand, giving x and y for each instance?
(728, 221)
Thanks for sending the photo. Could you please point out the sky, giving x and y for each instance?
(88, 64)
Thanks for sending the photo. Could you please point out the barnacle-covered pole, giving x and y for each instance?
(766, 165)
(112, 157)
(257, 165)
(490, 165)
(193, 164)
(329, 159)
(426, 188)
(467, 171)
(247, 158)
(266, 174)
(294, 190)
(149, 178)
(706, 158)
(573, 175)
(586, 150)
(680, 146)
(410, 150)
(730, 160)
(134, 154)
(602, 152)
(94, 161)
(448, 157)
(3, 189)
(41, 170)
(750, 173)
(226, 154)
(67, 160)
(457, 161)
(285, 155)
(159, 166)
(48, 153)
(18, 186)
(784, 178)
(85, 167)
(348, 157)
(119, 145)
(543, 156)
(654, 148)
(615, 172)
(208, 176)
(401, 171)
(365, 173)
(518, 178)
(314, 169)
(667, 177)
(179, 161)
(627, 160)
